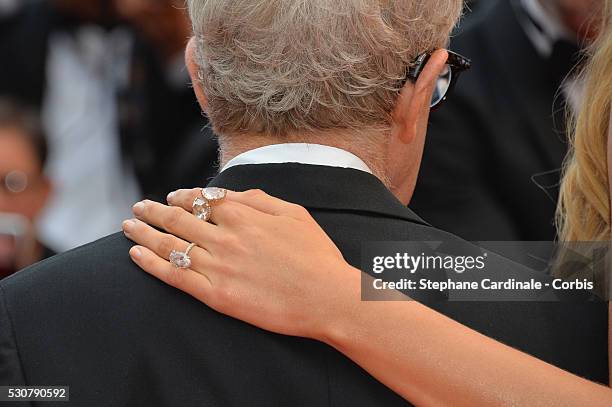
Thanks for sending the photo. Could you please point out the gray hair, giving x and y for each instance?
(295, 67)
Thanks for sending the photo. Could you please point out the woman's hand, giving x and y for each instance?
(268, 263)
(261, 260)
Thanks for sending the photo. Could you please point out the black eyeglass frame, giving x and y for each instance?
(457, 63)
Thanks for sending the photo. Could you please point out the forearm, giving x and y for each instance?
(430, 359)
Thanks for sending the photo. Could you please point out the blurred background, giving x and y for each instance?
(96, 113)
(102, 84)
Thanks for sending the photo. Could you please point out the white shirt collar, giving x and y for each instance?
(302, 153)
(551, 28)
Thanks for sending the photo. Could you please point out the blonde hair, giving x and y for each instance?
(290, 67)
(584, 203)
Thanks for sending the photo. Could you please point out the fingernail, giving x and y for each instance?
(135, 252)
(170, 196)
(138, 208)
(128, 225)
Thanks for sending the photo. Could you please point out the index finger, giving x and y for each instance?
(254, 198)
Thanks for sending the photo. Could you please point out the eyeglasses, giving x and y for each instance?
(455, 64)
(15, 182)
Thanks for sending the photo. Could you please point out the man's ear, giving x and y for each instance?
(413, 103)
(194, 68)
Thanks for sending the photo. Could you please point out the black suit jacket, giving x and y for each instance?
(160, 124)
(91, 319)
(493, 153)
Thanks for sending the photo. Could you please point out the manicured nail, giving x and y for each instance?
(135, 252)
(128, 225)
(138, 208)
(170, 196)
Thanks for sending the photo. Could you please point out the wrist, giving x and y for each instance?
(344, 311)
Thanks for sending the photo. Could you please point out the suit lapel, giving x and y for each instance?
(318, 187)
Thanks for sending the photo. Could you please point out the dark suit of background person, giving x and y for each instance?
(493, 152)
(91, 319)
(160, 125)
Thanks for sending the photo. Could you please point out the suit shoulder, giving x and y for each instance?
(100, 260)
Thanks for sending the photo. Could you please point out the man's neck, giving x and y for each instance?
(369, 151)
